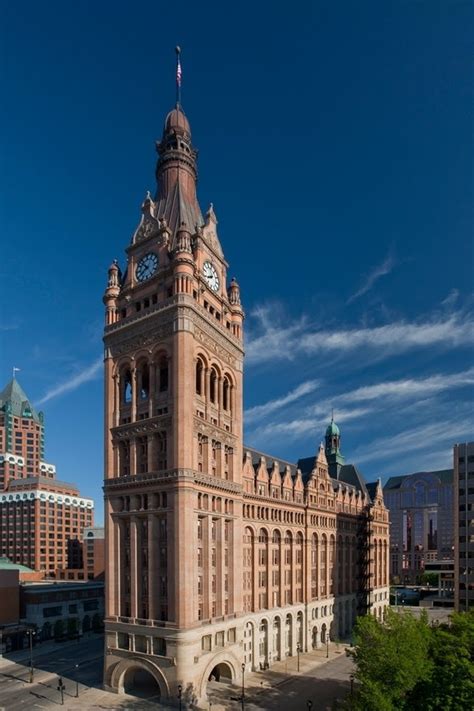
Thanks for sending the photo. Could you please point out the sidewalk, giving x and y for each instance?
(23, 655)
(283, 671)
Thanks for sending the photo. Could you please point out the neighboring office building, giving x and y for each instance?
(91, 553)
(217, 555)
(464, 526)
(444, 569)
(12, 630)
(42, 519)
(421, 522)
(46, 602)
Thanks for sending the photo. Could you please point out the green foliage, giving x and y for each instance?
(58, 629)
(429, 579)
(97, 623)
(405, 664)
(72, 627)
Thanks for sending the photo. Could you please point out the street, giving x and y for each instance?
(320, 680)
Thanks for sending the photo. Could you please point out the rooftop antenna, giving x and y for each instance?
(179, 75)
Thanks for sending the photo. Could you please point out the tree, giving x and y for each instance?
(72, 627)
(86, 623)
(405, 664)
(97, 623)
(429, 579)
(391, 659)
(451, 685)
(58, 629)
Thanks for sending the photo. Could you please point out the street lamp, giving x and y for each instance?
(243, 686)
(61, 688)
(309, 704)
(180, 694)
(298, 650)
(77, 680)
(31, 633)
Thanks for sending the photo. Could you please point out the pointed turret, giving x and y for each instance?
(176, 175)
(333, 454)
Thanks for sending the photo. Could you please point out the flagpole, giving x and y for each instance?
(178, 77)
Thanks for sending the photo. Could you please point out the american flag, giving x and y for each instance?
(178, 73)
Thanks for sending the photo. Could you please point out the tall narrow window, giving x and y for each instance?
(199, 369)
(144, 383)
(127, 386)
(164, 375)
(213, 386)
(226, 394)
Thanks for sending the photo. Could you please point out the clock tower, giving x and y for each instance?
(173, 440)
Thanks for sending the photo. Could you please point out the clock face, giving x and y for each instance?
(146, 267)
(210, 275)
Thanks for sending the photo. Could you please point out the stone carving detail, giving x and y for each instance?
(216, 347)
(216, 483)
(140, 340)
(214, 432)
(140, 428)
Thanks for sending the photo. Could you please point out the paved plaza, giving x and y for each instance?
(320, 678)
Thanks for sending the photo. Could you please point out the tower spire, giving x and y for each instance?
(178, 77)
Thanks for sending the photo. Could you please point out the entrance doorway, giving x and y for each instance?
(221, 673)
(140, 682)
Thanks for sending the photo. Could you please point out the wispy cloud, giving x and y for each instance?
(407, 388)
(304, 427)
(74, 382)
(278, 341)
(414, 439)
(381, 270)
(259, 412)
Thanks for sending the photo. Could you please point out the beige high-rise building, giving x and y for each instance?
(219, 559)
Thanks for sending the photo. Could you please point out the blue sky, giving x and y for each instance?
(335, 141)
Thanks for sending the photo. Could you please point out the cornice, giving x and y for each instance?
(209, 430)
(141, 427)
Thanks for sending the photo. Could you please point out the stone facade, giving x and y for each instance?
(218, 558)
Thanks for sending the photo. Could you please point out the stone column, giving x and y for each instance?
(256, 602)
(133, 456)
(219, 567)
(133, 374)
(152, 385)
(206, 567)
(134, 567)
(153, 553)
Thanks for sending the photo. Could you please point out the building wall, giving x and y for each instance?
(37, 524)
(9, 597)
(421, 522)
(464, 526)
(42, 605)
(210, 560)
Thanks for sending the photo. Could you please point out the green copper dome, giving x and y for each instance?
(332, 429)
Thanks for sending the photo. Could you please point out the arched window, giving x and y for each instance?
(127, 387)
(163, 370)
(213, 386)
(199, 372)
(144, 375)
(226, 394)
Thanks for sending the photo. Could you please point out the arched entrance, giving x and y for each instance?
(221, 673)
(323, 634)
(315, 638)
(137, 681)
